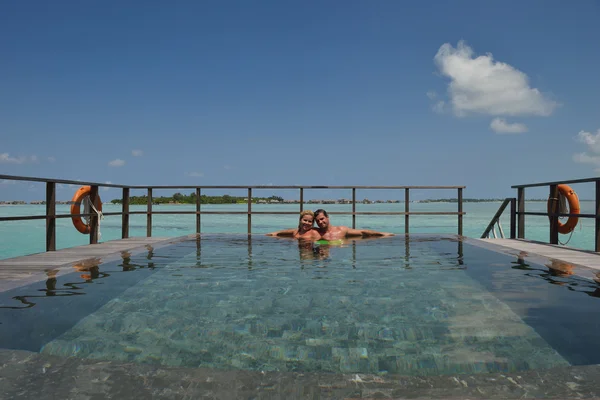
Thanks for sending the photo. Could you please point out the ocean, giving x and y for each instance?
(20, 238)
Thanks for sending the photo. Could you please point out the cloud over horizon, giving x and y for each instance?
(137, 153)
(5, 158)
(116, 163)
(500, 125)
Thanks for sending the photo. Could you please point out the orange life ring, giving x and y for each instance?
(76, 208)
(573, 209)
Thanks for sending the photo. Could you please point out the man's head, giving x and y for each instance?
(322, 219)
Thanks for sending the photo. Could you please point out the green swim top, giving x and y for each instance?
(323, 241)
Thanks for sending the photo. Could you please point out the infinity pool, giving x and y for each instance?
(424, 305)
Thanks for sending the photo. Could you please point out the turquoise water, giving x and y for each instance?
(27, 237)
(425, 306)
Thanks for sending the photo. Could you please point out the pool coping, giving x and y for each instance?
(33, 375)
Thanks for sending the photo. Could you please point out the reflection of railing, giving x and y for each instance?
(51, 215)
(553, 208)
(496, 220)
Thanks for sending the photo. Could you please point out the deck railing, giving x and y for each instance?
(51, 215)
(553, 207)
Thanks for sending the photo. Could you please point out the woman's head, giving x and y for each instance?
(306, 220)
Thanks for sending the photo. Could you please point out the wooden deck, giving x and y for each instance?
(19, 271)
(583, 258)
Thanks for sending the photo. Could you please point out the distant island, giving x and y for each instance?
(179, 198)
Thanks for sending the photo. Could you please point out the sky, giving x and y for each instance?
(485, 94)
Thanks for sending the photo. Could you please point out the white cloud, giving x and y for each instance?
(106, 188)
(432, 94)
(585, 158)
(5, 158)
(499, 125)
(196, 174)
(7, 182)
(592, 155)
(51, 159)
(439, 107)
(485, 86)
(137, 153)
(592, 141)
(116, 163)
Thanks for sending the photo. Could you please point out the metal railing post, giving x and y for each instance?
(513, 218)
(460, 210)
(149, 214)
(50, 216)
(198, 211)
(553, 210)
(125, 216)
(521, 210)
(249, 211)
(597, 225)
(353, 208)
(301, 199)
(94, 216)
(407, 211)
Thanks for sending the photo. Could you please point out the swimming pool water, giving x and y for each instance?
(424, 305)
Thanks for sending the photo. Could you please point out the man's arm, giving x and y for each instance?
(365, 233)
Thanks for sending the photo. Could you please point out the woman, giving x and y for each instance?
(305, 228)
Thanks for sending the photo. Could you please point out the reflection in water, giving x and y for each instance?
(150, 255)
(131, 266)
(249, 251)
(90, 267)
(559, 273)
(407, 252)
(311, 251)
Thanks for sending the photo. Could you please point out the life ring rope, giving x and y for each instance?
(100, 217)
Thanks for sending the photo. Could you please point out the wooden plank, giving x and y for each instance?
(584, 258)
(18, 271)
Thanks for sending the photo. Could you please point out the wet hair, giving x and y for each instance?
(321, 211)
(302, 214)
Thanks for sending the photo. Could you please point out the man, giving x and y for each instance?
(329, 232)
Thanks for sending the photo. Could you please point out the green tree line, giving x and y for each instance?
(191, 199)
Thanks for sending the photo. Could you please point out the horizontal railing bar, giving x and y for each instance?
(560, 215)
(297, 187)
(64, 181)
(296, 213)
(22, 218)
(584, 180)
(26, 217)
(34, 217)
(67, 181)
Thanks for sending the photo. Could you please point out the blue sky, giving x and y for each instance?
(483, 94)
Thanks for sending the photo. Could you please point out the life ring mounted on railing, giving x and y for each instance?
(79, 196)
(573, 200)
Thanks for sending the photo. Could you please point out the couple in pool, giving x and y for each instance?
(324, 230)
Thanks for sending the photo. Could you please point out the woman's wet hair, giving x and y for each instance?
(321, 211)
(302, 214)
